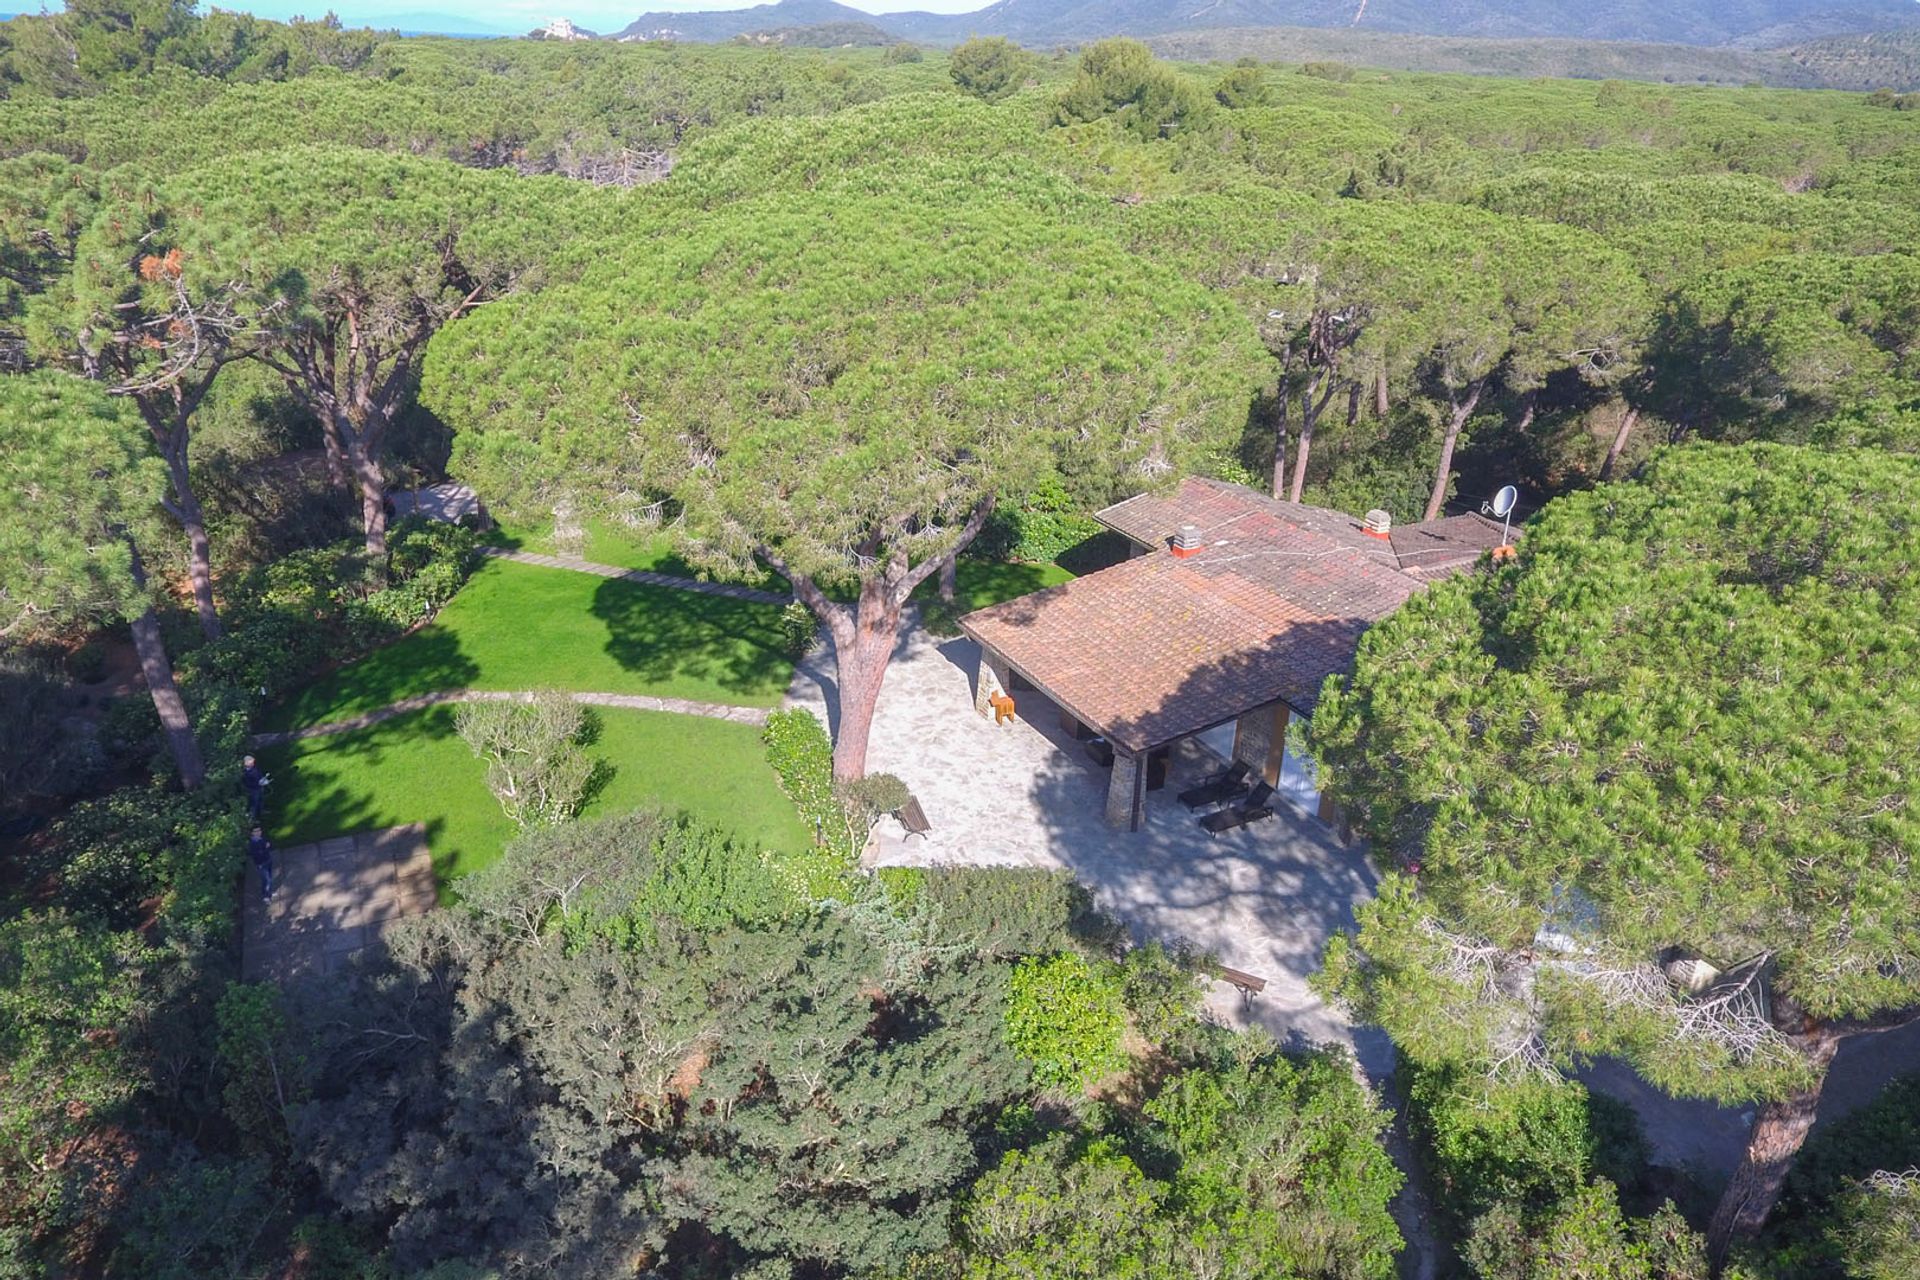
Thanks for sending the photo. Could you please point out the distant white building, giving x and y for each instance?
(563, 29)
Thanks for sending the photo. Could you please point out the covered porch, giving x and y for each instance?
(1026, 793)
(1268, 738)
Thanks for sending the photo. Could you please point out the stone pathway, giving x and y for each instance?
(643, 576)
(421, 701)
(332, 900)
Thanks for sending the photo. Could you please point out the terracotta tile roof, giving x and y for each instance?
(1162, 646)
(1443, 547)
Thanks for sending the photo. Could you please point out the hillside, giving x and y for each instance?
(1749, 23)
(1856, 62)
(1882, 59)
(826, 35)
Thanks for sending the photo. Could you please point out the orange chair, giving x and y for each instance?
(1002, 704)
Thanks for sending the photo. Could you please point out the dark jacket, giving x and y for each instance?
(260, 849)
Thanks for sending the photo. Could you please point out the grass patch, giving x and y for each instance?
(415, 768)
(609, 543)
(522, 627)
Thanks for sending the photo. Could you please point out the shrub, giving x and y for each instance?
(1338, 72)
(802, 757)
(1585, 1235)
(1162, 992)
(1523, 1145)
(536, 766)
(874, 796)
(1066, 1017)
(1005, 912)
(1241, 87)
(797, 629)
(988, 67)
(88, 663)
(43, 752)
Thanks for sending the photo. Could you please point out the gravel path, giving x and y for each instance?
(421, 701)
(643, 576)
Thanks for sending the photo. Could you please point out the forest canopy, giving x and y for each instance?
(857, 336)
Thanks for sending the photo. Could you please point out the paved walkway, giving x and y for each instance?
(1263, 899)
(644, 576)
(332, 900)
(421, 701)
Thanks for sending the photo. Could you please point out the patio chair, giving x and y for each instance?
(913, 818)
(1250, 810)
(1227, 785)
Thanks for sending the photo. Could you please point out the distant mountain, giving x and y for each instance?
(725, 24)
(1856, 62)
(827, 35)
(1751, 23)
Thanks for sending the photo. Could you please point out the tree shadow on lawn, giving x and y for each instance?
(323, 788)
(427, 661)
(663, 634)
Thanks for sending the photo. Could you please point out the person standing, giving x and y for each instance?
(254, 780)
(260, 849)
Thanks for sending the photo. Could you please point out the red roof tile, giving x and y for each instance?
(1161, 646)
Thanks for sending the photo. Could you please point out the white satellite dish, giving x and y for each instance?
(1502, 506)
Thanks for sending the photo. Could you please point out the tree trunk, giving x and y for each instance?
(1779, 1130)
(1627, 421)
(186, 509)
(1462, 410)
(1310, 412)
(948, 578)
(373, 505)
(1353, 403)
(335, 447)
(165, 693)
(860, 661)
(1280, 448)
(1380, 405)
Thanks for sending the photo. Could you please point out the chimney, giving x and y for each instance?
(1378, 524)
(1186, 541)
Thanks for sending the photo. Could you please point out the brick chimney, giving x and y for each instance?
(1186, 541)
(1378, 524)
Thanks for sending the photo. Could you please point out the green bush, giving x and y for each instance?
(88, 662)
(1041, 528)
(1162, 991)
(1585, 1235)
(1066, 1016)
(1524, 1145)
(802, 757)
(797, 630)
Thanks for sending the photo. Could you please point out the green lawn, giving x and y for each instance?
(414, 768)
(522, 627)
(979, 583)
(609, 543)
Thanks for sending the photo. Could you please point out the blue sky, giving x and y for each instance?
(519, 15)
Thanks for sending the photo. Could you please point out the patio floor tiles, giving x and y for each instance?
(332, 900)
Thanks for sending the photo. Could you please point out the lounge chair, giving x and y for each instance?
(1252, 809)
(913, 818)
(1229, 784)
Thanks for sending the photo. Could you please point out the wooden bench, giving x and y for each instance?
(1250, 985)
(913, 818)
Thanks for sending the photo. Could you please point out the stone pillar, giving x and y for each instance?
(1120, 791)
(1259, 738)
(993, 678)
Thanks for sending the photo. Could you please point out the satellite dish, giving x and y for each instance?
(1502, 506)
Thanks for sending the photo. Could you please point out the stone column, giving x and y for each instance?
(1258, 739)
(993, 678)
(1120, 785)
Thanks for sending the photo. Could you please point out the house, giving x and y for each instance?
(1231, 613)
